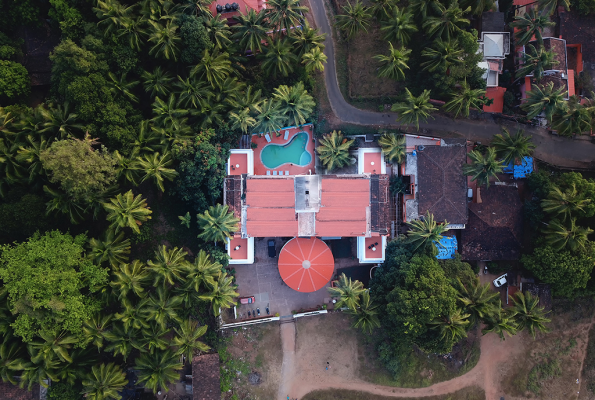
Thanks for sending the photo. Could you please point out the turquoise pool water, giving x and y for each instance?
(294, 152)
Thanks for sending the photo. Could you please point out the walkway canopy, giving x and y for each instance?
(306, 264)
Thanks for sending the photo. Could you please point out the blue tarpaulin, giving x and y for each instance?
(519, 171)
(448, 248)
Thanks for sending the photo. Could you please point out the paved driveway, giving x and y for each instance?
(262, 280)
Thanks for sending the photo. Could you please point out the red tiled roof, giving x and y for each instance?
(306, 265)
(343, 207)
(271, 207)
(496, 93)
(570, 83)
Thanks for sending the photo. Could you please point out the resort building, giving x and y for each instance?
(274, 190)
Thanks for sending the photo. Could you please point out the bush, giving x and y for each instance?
(584, 7)
(14, 79)
(397, 185)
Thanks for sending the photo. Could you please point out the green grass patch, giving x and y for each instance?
(541, 372)
(470, 393)
(230, 367)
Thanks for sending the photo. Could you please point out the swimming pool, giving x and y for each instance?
(293, 152)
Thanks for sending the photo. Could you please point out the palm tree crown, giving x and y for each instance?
(530, 25)
(450, 21)
(157, 370)
(527, 314)
(425, 231)
(535, 62)
(453, 326)
(564, 203)
(334, 150)
(399, 26)
(251, 30)
(356, 18)
(217, 224)
(366, 316)
(543, 98)
(394, 64)
(295, 103)
(414, 109)
(559, 235)
(465, 99)
(348, 292)
(127, 211)
(483, 166)
(393, 147)
(285, 14)
(511, 148)
(441, 55)
(104, 382)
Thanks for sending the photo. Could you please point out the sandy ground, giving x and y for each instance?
(312, 352)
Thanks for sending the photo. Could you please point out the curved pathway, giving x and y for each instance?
(572, 154)
(486, 374)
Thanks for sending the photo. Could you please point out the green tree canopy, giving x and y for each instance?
(14, 79)
(48, 279)
(567, 272)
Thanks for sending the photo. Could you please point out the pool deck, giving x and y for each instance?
(260, 169)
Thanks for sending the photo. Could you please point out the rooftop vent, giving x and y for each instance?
(235, 6)
(219, 8)
(421, 147)
(227, 7)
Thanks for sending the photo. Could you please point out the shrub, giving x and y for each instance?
(14, 79)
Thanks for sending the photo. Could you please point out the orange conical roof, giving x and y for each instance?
(306, 264)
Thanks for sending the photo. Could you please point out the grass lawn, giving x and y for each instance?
(471, 393)
(551, 364)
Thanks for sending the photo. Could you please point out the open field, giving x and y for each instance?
(471, 393)
(550, 365)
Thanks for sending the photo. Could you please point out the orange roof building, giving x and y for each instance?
(229, 9)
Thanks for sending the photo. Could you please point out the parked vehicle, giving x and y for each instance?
(501, 280)
(247, 300)
(272, 250)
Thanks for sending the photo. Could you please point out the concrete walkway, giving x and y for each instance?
(563, 152)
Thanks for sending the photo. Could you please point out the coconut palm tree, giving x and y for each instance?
(11, 359)
(548, 7)
(425, 231)
(366, 316)
(104, 382)
(423, 9)
(193, 92)
(202, 272)
(270, 119)
(50, 345)
(40, 373)
(118, 86)
(156, 371)
(382, 9)
(165, 39)
(478, 300)
(95, 329)
(530, 25)
(167, 266)
(448, 22)
(250, 99)
(465, 98)
(355, 18)
(279, 58)
(153, 338)
(399, 26)
(306, 39)
(10, 169)
(61, 203)
(334, 150)
(285, 14)
(186, 339)
(564, 204)
(163, 308)
(394, 64)
(414, 109)
(218, 31)
(314, 60)
(295, 103)
(214, 67)
(535, 62)
(127, 211)
(571, 236)
(441, 55)
(122, 341)
(221, 294)
(242, 120)
(479, 6)
(200, 8)
(543, 98)
(130, 278)
(155, 167)
(511, 148)
(393, 147)
(113, 248)
(527, 314)
(483, 166)
(82, 361)
(217, 224)
(452, 327)
(347, 292)
(500, 322)
(111, 15)
(251, 31)
(132, 30)
(168, 115)
(60, 121)
(573, 118)
(157, 82)
(29, 152)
